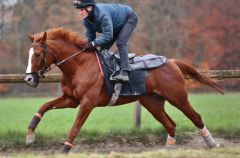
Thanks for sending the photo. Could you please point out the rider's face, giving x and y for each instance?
(83, 13)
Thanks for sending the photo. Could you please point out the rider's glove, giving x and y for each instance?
(90, 45)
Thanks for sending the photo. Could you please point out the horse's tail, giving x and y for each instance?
(190, 72)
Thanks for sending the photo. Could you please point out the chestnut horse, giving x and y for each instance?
(83, 84)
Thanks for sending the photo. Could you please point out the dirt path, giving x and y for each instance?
(126, 144)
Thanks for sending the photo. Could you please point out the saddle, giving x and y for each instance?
(110, 64)
(144, 62)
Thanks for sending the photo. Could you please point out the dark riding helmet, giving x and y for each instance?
(83, 3)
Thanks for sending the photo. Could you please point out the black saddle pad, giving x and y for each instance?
(136, 86)
(139, 70)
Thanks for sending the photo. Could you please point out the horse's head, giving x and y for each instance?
(39, 61)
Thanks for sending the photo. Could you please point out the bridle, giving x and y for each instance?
(44, 69)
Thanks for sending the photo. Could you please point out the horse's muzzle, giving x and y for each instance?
(31, 79)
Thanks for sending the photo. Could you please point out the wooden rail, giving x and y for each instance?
(221, 74)
(18, 78)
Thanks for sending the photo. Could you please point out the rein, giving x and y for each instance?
(44, 69)
(70, 57)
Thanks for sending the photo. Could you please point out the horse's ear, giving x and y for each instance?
(31, 37)
(44, 37)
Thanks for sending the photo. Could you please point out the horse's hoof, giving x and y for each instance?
(66, 149)
(170, 146)
(30, 139)
(216, 145)
(220, 145)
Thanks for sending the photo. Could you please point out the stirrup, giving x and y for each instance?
(112, 78)
(130, 55)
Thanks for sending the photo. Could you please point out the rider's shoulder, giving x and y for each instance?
(107, 6)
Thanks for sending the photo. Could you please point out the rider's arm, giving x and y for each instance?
(90, 31)
(107, 30)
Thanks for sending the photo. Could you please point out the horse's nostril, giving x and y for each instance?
(29, 79)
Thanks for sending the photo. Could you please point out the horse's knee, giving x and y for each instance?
(85, 108)
(44, 108)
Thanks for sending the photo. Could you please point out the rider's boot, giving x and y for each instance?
(122, 76)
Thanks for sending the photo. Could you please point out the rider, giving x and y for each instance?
(116, 22)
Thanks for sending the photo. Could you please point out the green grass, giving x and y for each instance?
(220, 114)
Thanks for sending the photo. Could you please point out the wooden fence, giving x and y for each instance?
(18, 78)
(216, 74)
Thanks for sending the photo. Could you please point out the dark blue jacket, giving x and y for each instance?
(108, 20)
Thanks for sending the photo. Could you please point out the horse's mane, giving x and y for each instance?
(66, 35)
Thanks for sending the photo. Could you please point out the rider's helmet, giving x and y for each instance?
(83, 3)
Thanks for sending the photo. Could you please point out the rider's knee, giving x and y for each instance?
(121, 44)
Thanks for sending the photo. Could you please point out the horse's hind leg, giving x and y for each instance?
(182, 103)
(156, 107)
(61, 102)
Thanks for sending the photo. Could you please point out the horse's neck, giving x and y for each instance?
(70, 66)
(83, 68)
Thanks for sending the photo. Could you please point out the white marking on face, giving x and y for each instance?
(29, 68)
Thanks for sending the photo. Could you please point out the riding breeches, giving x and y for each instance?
(122, 38)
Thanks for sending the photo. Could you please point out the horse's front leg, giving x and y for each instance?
(86, 107)
(59, 103)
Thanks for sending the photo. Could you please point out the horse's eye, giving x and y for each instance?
(37, 55)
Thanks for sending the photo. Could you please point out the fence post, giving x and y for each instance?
(137, 115)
